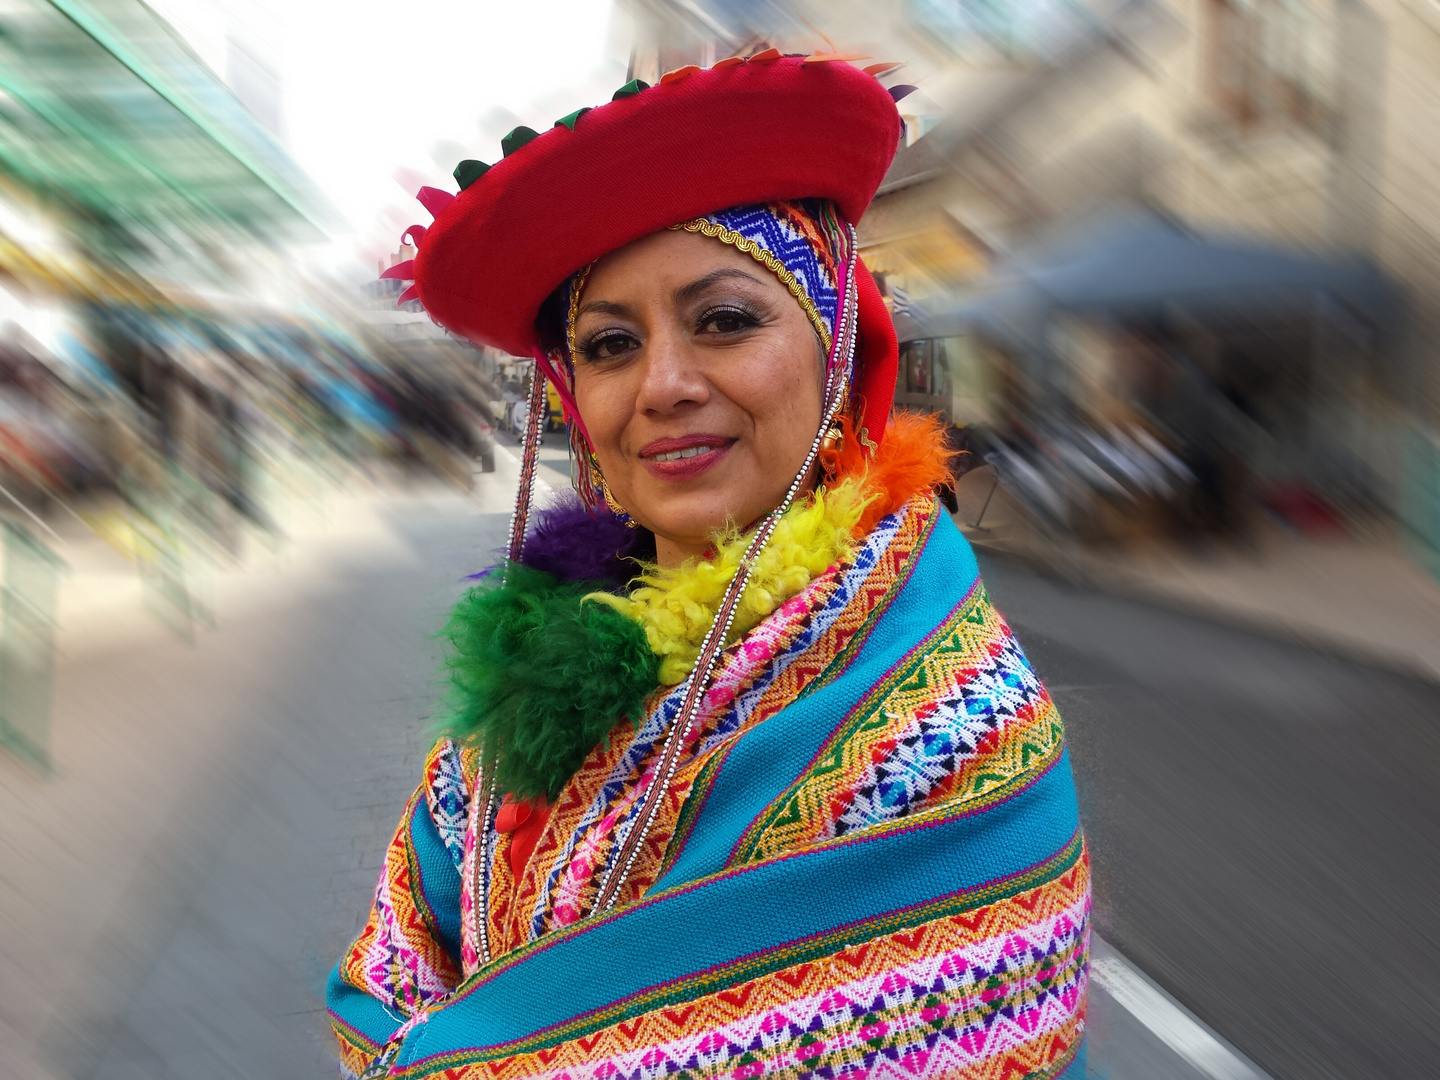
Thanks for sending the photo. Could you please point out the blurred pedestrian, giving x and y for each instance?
(744, 774)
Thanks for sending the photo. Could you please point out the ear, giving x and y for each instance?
(877, 358)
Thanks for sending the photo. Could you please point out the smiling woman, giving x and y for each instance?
(742, 773)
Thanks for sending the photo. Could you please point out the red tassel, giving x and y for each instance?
(413, 235)
(412, 293)
(401, 271)
(434, 200)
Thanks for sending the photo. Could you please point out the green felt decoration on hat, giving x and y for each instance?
(572, 119)
(630, 89)
(468, 171)
(516, 139)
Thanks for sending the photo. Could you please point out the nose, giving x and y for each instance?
(670, 379)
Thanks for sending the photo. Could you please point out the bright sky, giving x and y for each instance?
(372, 90)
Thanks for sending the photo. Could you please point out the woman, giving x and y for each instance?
(744, 775)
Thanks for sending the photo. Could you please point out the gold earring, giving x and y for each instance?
(615, 507)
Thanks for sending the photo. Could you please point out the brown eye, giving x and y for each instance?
(607, 346)
(726, 321)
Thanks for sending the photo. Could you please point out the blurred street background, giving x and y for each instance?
(1170, 268)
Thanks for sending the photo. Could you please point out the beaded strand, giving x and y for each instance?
(836, 384)
(529, 462)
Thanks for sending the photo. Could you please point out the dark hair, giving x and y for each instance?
(550, 319)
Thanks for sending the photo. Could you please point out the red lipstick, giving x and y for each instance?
(685, 457)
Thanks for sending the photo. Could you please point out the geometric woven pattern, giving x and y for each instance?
(448, 797)
(784, 655)
(990, 991)
(962, 716)
(802, 242)
(399, 958)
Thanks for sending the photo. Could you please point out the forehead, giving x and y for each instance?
(666, 260)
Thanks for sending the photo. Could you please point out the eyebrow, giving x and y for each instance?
(604, 307)
(683, 295)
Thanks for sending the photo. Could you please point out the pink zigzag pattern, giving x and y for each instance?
(962, 972)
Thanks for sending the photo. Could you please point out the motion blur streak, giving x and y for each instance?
(1171, 268)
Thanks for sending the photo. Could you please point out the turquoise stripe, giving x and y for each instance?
(439, 880)
(753, 910)
(768, 759)
(1076, 1069)
(359, 1010)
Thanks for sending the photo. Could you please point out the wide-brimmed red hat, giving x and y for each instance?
(761, 130)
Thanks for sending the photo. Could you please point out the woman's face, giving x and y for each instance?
(699, 380)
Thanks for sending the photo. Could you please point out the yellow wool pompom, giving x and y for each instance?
(677, 605)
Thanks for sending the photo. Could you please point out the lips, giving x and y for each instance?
(685, 457)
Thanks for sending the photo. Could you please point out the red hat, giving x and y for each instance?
(762, 130)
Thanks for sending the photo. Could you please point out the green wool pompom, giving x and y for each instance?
(539, 678)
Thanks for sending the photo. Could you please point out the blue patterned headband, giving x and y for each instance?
(801, 242)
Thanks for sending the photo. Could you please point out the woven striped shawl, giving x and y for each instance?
(869, 865)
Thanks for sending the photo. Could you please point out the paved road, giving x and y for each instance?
(214, 963)
(1265, 823)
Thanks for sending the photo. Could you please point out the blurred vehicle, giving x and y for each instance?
(480, 431)
(555, 421)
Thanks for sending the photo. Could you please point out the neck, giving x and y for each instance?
(671, 552)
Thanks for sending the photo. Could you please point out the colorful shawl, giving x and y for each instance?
(868, 864)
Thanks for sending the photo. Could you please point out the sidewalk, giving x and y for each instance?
(1358, 598)
(144, 928)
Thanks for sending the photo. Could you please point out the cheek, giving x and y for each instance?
(605, 404)
(782, 395)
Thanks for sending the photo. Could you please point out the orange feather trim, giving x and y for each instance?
(913, 457)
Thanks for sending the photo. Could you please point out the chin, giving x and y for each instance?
(694, 519)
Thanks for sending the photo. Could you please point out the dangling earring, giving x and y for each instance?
(834, 437)
(609, 496)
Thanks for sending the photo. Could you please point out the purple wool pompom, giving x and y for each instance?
(567, 541)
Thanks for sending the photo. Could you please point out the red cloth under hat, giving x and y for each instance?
(740, 133)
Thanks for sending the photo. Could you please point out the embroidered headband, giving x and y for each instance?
(800, 242)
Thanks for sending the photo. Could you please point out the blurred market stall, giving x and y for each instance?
(169, 359)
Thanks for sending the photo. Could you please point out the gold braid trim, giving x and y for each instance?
(576, 288)
(770, 262)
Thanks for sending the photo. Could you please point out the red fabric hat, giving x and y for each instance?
(761, 130)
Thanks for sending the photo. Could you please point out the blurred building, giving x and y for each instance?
(146, 286)
(170, 357)
(1174, 251)
(449, 393)
(1244, 181)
